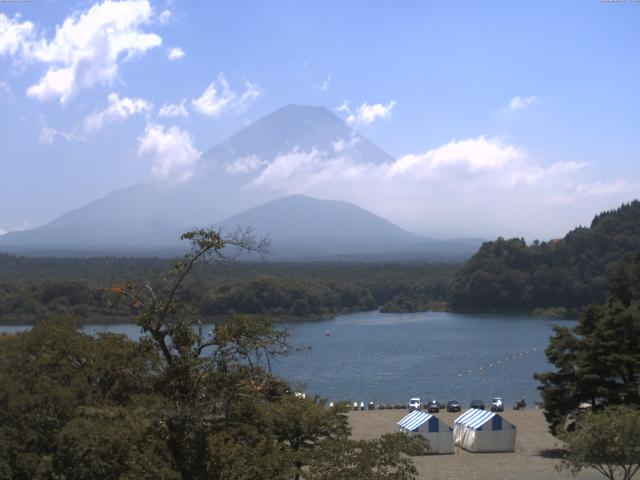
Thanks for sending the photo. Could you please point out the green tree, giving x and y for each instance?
(598, 361)
(50, 376)
(385, 458)
(110, 442)
(570, 272)
(607, 441)
(229, 417)
(304, 422)
(187, 401)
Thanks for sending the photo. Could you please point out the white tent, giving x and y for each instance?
(483, 431)
(440, 436)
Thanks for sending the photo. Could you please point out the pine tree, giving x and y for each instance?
(598, 361)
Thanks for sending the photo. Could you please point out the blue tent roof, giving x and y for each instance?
(414, 420)
(475, 418)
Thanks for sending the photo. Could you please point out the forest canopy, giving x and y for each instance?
(570, 272)
(33, 288)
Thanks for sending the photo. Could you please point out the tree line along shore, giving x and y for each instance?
(553, 278)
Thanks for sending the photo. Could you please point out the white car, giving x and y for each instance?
(415, 404)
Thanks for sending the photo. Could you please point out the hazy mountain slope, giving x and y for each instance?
(150, 217)
(305, 228)
(135, 216)
(327, 226)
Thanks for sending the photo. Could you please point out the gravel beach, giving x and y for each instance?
(536, 455)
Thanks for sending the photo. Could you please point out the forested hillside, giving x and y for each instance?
(569, 273)
(33, 288)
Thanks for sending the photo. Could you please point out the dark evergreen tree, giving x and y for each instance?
(598, 361)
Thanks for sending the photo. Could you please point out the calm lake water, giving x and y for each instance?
(389, 357)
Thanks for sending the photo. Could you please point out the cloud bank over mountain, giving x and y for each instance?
(480, 185)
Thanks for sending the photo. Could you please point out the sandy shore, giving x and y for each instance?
(536, 455)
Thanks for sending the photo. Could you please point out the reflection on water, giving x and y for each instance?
(389, 357)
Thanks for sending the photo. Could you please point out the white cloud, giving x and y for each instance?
(172, 151)
(175, 53)
(300, 171)
(219, 98)
(15, 35)
(341, 145)
(164, 16)
(86, 49)
(173, 110)
(479, 186)
(584, 191)
(24, 225)
(250, 94)
(215, 99)
(47, 135)
(344, 107)
(118, 109)
(245, 165)
(6, 95)
(522, 103)
(474, 154)
(366, 114)
(324, 86)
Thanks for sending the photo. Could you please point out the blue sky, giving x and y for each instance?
(556, 81)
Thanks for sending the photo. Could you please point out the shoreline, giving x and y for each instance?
(118, 320)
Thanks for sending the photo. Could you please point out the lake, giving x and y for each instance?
(390, 357)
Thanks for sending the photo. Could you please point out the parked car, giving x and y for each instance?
(520, 405)
(479, 404)
(433, 406)
(497, 405)
(414, 404)
(454, 406)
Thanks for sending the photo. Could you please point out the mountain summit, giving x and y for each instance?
(294, 127)
(148, 218)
